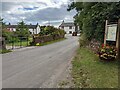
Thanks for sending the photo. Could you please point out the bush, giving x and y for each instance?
(83, 41)
(107, 53)
(2, 51)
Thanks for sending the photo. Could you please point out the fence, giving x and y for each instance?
(17, 42)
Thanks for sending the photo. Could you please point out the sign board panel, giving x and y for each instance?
(111, 32)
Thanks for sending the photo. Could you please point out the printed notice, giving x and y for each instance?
(111, 33)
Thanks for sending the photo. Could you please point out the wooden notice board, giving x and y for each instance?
(111, 32)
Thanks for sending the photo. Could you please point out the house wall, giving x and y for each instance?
(37, 29)
(12, 29)
(67, 29)
(33, 31)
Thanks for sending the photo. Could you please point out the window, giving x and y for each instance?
(70, 27)
(70, 32)
(62, 27)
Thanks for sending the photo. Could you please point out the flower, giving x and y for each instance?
(107, 52)
(37, 44)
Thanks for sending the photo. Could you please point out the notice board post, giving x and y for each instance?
(118, 40)
(106, 23)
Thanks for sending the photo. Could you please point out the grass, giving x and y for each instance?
(24, 43)
(89, 72)
(2, 51)
(46, 43)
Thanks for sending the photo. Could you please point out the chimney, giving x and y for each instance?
(63, 21)
(37, 24)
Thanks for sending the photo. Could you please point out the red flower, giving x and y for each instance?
(103, 45)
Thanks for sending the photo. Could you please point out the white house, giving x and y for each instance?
(34, 29)
(69, 27)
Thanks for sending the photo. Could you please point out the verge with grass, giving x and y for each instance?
(2, 51)
(89, 72)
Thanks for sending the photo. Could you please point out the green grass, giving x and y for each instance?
(2, 51)
(46, 43)
(89, 72)
(24, 43)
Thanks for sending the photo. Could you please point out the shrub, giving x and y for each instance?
(107, 53)
(83, 41)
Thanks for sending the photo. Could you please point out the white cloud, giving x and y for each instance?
(40, 11)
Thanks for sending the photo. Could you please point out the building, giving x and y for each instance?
(69, 27)
(34, 29)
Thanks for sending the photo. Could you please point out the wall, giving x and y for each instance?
(38, 29)
(33, 31)
(67, 29)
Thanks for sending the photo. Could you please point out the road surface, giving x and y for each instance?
(39, 67)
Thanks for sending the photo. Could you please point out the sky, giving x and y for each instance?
(36, 11)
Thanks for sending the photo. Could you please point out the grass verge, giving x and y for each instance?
(2, 51)
(89, 72)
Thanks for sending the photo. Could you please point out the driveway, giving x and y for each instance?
(38, 67)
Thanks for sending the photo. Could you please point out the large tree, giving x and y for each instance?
(22, 30)
(91, 16)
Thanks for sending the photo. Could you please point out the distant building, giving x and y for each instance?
(34, 29)
(69, 27)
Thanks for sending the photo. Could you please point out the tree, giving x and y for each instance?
(22, 30)
(91, 17)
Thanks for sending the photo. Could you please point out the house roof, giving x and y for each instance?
(11, 26)
(32, 26)
(67, 24)
(15, 26)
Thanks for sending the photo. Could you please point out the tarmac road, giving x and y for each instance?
(38, 67)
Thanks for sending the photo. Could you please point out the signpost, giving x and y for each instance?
(112, 33)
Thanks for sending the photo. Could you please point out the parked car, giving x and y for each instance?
(74, 34)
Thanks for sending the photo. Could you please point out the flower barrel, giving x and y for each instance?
(107, 53)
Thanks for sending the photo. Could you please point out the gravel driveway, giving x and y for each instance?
(38, 67)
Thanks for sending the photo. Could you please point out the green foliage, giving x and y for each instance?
(91, 16)
(2, 51)
(22, 30)
(7, 34)
(51, 30)
(83, 41)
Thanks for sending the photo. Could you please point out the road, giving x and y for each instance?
(39, 67)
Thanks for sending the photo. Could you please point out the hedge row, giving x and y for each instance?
(46, 38)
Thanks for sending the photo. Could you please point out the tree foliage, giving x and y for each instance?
(50, 30)
(22, 30)
(91, 16)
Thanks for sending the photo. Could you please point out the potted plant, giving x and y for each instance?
(107, 53)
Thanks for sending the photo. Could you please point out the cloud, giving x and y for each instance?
(44, 11)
